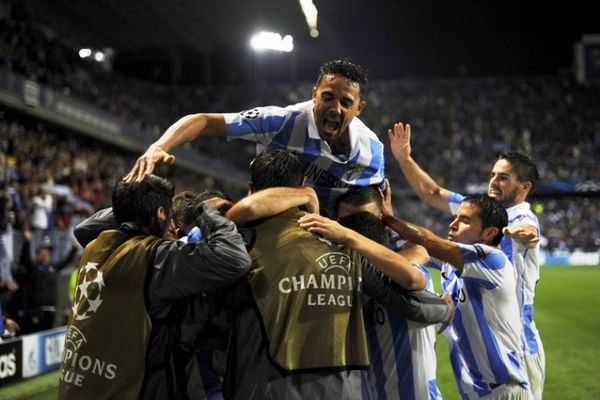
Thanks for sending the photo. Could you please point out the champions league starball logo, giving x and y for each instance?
(89, 291)
(251, 114)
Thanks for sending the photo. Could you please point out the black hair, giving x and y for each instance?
(211, 194)
(137, 202)
(346, 68)
(184, 208)
(275, 168)
(491, 212)
(524, 167)
(367, 225)
(360, 196)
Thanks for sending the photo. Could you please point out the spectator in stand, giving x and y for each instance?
(40, 287)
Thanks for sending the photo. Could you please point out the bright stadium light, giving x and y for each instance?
(272, 41)
(310, 13)
(99, 56)
(85, 53)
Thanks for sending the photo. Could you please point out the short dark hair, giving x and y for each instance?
(138, 201)
(275, 168)
(367, 225)
(184, 208)
(346, 68)
(360, 196)
(491, 212)
(523, 166)
(211, 194)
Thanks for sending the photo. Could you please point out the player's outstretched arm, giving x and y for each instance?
(526, 234)
(437, 247)
(272, 201)
(419, 180)
(184, 130)
(394, 265)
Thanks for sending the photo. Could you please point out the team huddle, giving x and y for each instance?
(310, 287)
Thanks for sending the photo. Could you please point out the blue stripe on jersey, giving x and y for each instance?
(475, 254)
(270, 123)
(282, 139)
(211, 383)
(530, 336)
(365, 384)
(312, 147)
(375, 352)
(499, 369)
(506, 245)
(434, 391)
(458, 366)
(480, 282)
(467, 353)
(375, 166)
(402, 351)
(455, 198)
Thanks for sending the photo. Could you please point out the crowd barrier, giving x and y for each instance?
(30, 355)
(568, 258)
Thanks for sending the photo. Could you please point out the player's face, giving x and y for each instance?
(347, 209)
(504, 185)
(337, 101)
(466, 227)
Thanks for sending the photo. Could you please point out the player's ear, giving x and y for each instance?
(489, 234)
(362, 104)
(314, 92)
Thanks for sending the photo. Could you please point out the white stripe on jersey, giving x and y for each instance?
(485, 335)
(293, 129)
(403, 359)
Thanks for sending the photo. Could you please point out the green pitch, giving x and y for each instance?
(567, 315)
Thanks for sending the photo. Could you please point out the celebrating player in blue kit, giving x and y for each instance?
(485, 335)
(336, 149)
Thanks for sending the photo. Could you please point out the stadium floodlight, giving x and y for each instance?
(310, 13)
(272, 41)
(85, 53)
(99, 56)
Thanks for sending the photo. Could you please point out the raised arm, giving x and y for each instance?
(272, 201)
(394, 265)
(436, 246)
(184, 130)
(419, 180)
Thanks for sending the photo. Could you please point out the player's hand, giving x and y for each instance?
(220, 204)
(448, 299)
(400, 141)
(312, 206)
(386, 197)
(147, 162)
(326, 227)
(527, 236)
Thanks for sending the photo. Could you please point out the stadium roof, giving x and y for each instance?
(391, 38)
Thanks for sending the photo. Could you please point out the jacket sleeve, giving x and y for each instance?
(90, 228)
(419, 305)
(187, 269)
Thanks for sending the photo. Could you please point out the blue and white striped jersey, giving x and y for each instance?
(293, 128)
(403, 360)
(526, 262)
(486, 334)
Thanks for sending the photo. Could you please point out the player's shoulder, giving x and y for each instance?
(484, 254)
